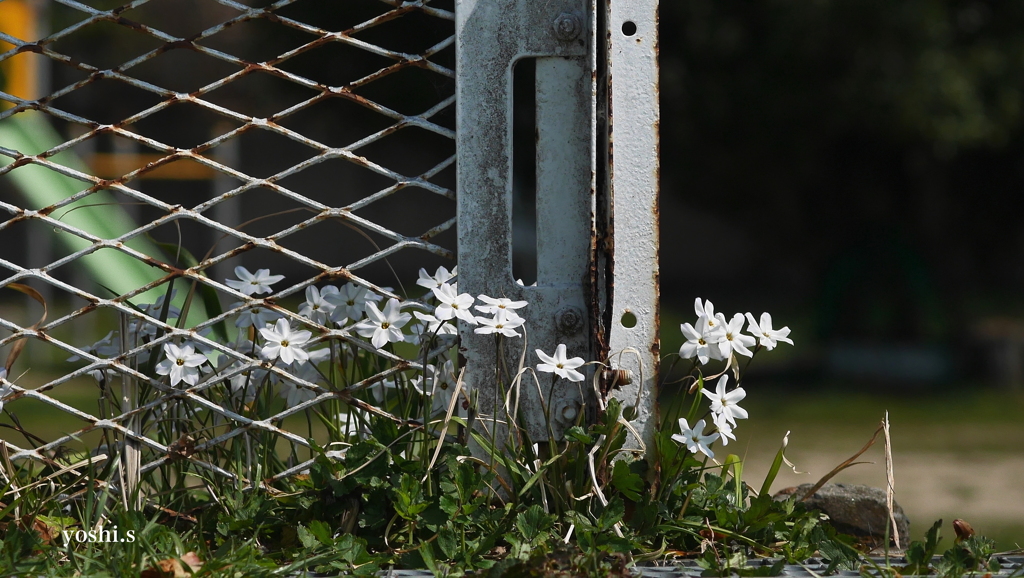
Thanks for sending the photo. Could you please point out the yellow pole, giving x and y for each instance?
(19, 72)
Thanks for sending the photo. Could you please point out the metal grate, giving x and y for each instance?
(303, 136)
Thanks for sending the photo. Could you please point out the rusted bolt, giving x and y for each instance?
(567, 26)
(569, 320)
(614, 379)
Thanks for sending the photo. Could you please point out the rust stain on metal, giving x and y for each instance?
(20, 161)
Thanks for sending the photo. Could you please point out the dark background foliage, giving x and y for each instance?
(853, 167)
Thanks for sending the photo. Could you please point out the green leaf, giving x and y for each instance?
(409, 500)
(577, 434)
(534, 522)
(322, 532)
(612, 514)
(773, 471)
(426, 552)
(537, 476)
(627, 482)
(307, 538)
(919, 555)
(448, 542)
(449, 504)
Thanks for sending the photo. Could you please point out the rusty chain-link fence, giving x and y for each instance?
(147, 150)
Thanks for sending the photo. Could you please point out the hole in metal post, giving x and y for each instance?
(629, 28)
(524, 170)
(628, 320)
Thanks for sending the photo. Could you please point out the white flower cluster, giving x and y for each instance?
(714, 337)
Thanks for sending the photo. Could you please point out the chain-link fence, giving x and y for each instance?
(150, 150)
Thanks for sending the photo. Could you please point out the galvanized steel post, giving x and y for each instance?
(596, 212)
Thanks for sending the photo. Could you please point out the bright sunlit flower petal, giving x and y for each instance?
(253, 284)
(559, 365)
(492, 305)
(768, 337)
(285, 343)
(734, 340)
(319, 305)
(694, 438)
(504, 322)
(181, 364)
(701, 341)
(383, 327)
(440, 277)
(724, 404)
(453, 304)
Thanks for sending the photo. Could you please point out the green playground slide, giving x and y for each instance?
(30, 133)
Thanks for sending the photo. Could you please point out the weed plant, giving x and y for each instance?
(340, 438)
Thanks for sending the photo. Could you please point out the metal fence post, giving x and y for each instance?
(632, 114)
(586, 276)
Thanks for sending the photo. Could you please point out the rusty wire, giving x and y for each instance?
(161, 453)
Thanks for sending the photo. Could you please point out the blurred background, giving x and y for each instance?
(854, 168)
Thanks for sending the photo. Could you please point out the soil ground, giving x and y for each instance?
(953, 457)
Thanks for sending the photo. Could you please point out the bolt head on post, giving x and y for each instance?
(569, 320)
(567, 26)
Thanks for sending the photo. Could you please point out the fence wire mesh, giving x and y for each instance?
(156, 146)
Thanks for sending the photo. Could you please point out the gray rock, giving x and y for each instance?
(853, 509)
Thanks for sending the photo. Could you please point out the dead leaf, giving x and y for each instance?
(192, 560)
(44, 531)
(183, 448)
(169, 568)
(20, 344)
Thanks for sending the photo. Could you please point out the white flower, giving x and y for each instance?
(695, 439)
(318, 356)
(769, 337)
(6, 389)
(443, 388)
(430, 325)
(439, 278)
(383, 327)
(706, 315)
(284, 343)
(138, 329)
(453, 305)
(724, 429)
(319, 303)
(733, 340)
(724, 404)
(154, 309)
(504, 322)
(182, 364)
(258, 316)
(249, 284)
(702, 342)
(348, 424)
(102, 348)
(246, 385)
(380, 389)
(350, 302)
(294, 395)
(494, 305)
(103, 378)
(559, 365)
